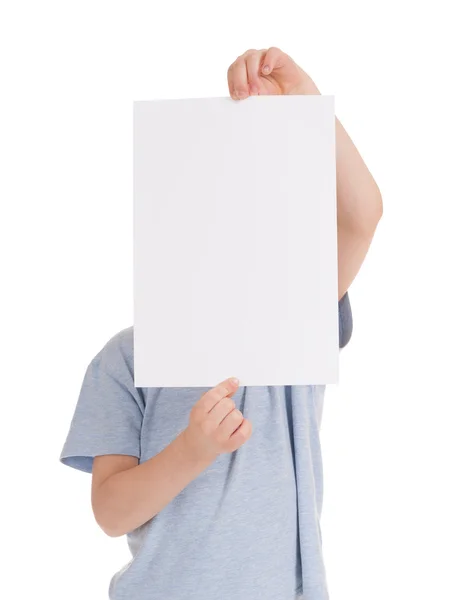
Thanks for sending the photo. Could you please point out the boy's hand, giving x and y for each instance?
(215, 424)
(263, 72)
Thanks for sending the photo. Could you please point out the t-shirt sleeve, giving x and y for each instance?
(345, 320)
(109, 411)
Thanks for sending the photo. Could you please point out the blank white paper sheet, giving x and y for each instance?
(235, 242)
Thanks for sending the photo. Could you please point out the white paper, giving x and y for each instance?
(235, 242)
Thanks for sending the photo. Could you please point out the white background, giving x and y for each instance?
(392, 524)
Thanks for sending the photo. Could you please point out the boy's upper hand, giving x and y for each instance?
(265, 72)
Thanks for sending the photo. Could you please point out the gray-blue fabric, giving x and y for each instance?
(248, 528)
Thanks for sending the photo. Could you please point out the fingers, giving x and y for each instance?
(273, 59)
(214, 395)
(230, 423)
(240, 436)
(232, 91)
(253, 62)
(237, 77)
(243, 74)
(221, 410)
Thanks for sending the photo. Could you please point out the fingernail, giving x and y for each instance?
(254, 90)
(240, 94)
(234, 380)
(266, 69)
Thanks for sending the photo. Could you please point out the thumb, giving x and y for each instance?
(273, 59)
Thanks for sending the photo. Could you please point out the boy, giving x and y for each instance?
(219, 491)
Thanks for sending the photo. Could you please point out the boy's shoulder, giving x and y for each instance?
(122, 340)
(118, 349)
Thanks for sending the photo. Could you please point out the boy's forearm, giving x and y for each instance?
(359, 202)
(130, 498)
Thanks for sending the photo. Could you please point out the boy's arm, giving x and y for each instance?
(359, 202)
(126, 494)
(359, 209)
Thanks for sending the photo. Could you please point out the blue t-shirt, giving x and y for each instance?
(248, 528)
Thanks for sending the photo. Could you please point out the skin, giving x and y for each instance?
(126, 494)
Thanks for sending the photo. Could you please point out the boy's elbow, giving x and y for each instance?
(378, 205)
(110, 526)
(371, 215)
(106, 518)
(113, 532)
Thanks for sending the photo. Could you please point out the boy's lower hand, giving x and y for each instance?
(215, 425)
